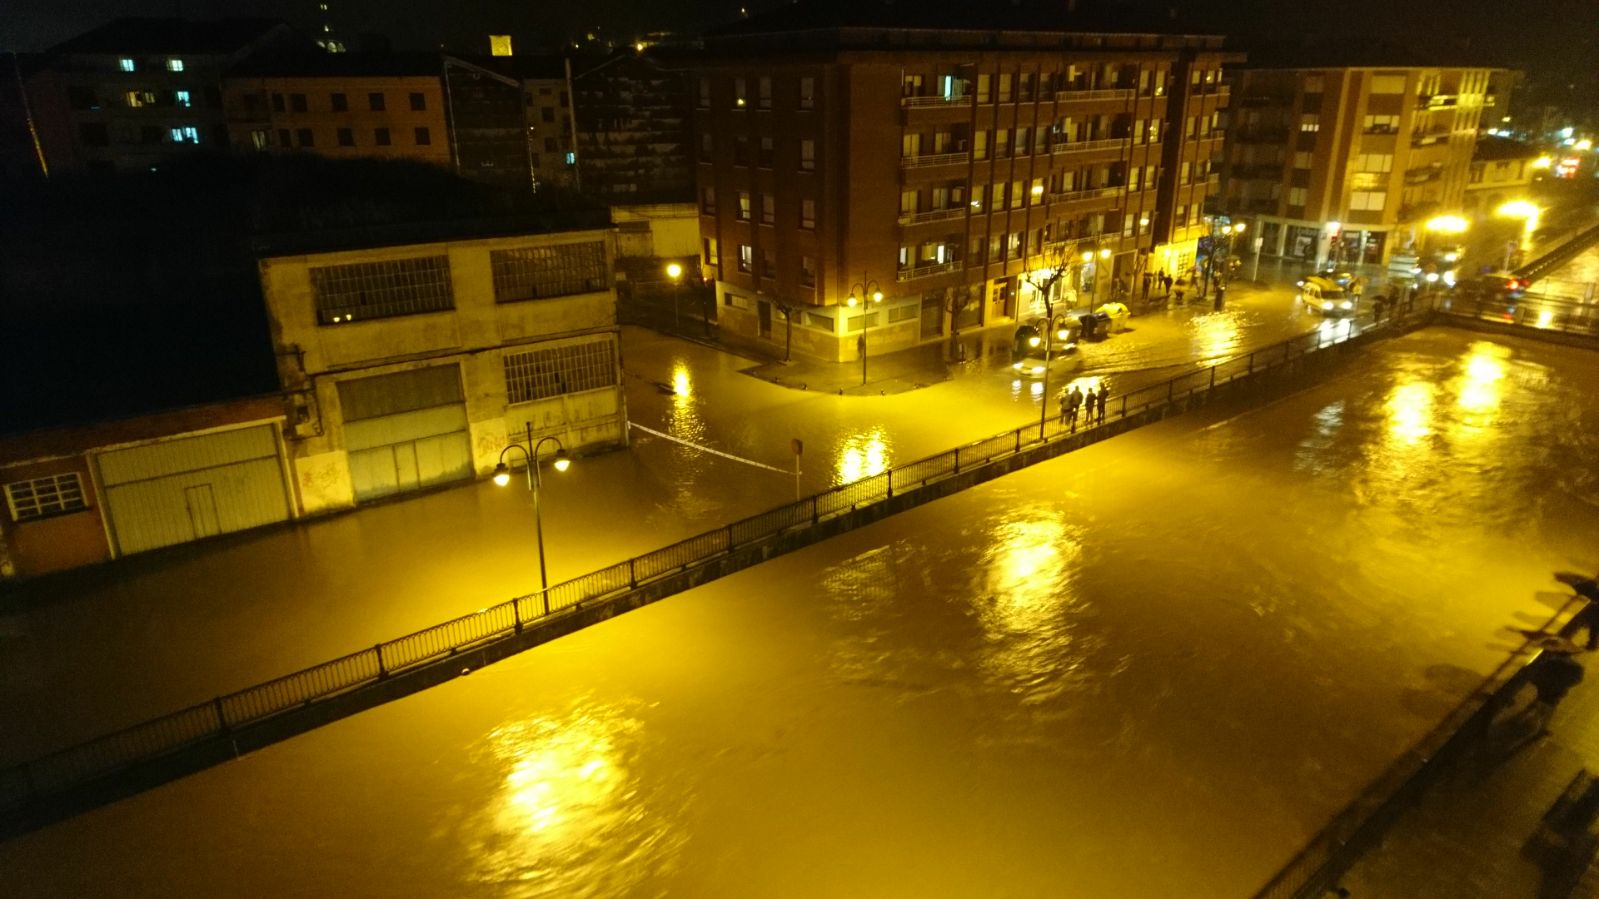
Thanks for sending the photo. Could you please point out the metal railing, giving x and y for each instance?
(1092, 193)
(1535, 313)
(923, 161)
(1089, 146)
(1068, 96)
(926, 271)
(107, 756)
(933, 100)
(932, 215)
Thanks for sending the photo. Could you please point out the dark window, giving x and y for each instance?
(213, 98)
(569, 369)
(297, 102)
(346, 137)
(283, 137)
(82, 98)
(550, 145)
(547, 114)
(305, 138)
(418, 102)
(381, 137)
(277, 103)
(150, 134)
(555, 271)
(341, 103)
(366, 290)
(563, 99)
(423, 138)
(374, 102)
(94, 134)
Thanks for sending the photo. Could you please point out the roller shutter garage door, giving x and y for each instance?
(405, 431)
(184, 490)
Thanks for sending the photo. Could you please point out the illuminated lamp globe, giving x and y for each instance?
(502, 475)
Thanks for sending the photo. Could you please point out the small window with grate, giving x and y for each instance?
(43, 497)
(539, 374)
(364, 290)
(536, 273)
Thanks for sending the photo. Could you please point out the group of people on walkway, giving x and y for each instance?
(1076, 399)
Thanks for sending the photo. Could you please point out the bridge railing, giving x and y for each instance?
(108, 755)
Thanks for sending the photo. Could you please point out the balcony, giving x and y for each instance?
(935, 100)
(1262, 135)
(1428, 138)
(1084, 96)
(927, 271)
(927, 160)
(1080, 196)
(932, 215)
(1437, 101)
(1088, 146)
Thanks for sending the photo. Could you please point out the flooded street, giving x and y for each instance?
(1150, 668)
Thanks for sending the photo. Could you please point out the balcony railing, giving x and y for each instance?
(1089, 146)
(925, 160)
(934, 100)
(925, 271)
(1093, 193)
(1068, 96)
(1437, 101)
(932, 215)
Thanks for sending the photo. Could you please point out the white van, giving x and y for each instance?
(1325, 296)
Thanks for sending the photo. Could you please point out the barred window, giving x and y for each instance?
(538, 374)
(45, 496)
(533, 273)
(364, 290)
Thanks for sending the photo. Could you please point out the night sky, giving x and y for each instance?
(1556, 40)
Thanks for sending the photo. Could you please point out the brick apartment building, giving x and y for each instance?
(1350, 161)
(938, 166)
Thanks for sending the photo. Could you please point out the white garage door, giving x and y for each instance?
(405, 431)
(184, 490)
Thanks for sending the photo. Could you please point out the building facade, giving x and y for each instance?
(633, 131)
(939, 168)
(343, 106)
(81, 495)
(1502, 171)
(1349, 163)
(135, 92)
(407, 367)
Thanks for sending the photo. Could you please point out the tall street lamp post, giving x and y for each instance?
(675, 272)
(502, 477)
(864, 294)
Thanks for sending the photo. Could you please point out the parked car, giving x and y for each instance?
(1341, 278)
(1496, 285)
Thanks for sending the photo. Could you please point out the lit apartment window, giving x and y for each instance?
(174, 64)
(808, 214)
(807, 94)
(740, 93)
(712, 252)
(42, 497)
(743, 205)
(746, 258)
(137, 99)
(1310, 123)
(1297, 196)
(1381, 124)
(182, 98)
(260, 139)
(186, 134)
(1368, 200)
(126, 64)
(807, 155)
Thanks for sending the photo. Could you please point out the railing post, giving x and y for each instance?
(222, 719)
(891, 483)
(382, 672)
(545, 599)
(1251, 363)
(516, 612)
(1213, 377)
(957, 460)
(632, 574)
(1019, 439)
(1124, 405)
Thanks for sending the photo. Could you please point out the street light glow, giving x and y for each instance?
(502, 475)
(562, 461)
(1104, 254)
(1448, 224)
(674, 271)
(1518, 209)
(1088, 256)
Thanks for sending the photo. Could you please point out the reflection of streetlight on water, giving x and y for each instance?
(502, 477)
(863, 294)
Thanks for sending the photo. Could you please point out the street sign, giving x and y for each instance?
(798, 446)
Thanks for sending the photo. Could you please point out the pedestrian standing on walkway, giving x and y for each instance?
(1147, 278)
(1065, 404)
(1165, 280)
(1178, 294)
(1553, 675)
(1074, 401)
(1104, 399)
(1089, 399)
